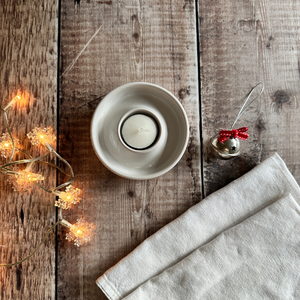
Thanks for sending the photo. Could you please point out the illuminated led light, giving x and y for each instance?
(6, 145)
(44, 136)
(68, 198)
(80, 233)
(12, 102)
(23, 180)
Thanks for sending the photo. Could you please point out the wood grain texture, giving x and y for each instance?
(152, 41)
(242, 43)
(28, 55)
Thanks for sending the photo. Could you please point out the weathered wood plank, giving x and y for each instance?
(139, 41)
(28, 55)
(242, 43)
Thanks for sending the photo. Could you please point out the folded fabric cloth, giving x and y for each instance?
(262, 186)
(256, 259)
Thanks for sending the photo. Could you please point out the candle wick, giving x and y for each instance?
(142, 130)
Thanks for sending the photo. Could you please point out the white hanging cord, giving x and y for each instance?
(243, 107)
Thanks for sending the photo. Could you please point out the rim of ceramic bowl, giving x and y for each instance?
(150, 175)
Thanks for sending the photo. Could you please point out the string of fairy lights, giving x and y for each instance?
(23, 179)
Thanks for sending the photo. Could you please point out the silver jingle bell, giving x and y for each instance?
(229, 149)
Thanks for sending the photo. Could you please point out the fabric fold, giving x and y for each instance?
(256, 259)
(229, 206)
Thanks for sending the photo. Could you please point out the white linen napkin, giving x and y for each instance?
(263, 185)
(256, 259)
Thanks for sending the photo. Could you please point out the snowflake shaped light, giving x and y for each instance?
(23, 180)
(6, 145)
(42, 136)
(68, 198)
(80, 233)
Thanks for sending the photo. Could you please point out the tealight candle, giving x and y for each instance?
(139, 131)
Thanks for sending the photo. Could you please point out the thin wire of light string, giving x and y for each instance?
(40, 244)
(71, 169)
(24, 161)
(244, 107)
(10, 134)
(11, 172)
(40, 158)
(8, 171)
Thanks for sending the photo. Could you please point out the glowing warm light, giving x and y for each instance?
(80, 233)
(43, 136)
(68, 198)
(6, 145)
(23, 180)
(12, 102)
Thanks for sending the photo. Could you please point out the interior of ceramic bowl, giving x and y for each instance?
(123, 161)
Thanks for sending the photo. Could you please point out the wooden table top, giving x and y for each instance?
(209, 54)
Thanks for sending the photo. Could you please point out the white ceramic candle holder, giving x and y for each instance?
(151, 100)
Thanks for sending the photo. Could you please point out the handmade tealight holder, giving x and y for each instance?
(139, 131)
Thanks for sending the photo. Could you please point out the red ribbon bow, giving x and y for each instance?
(234, 133)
